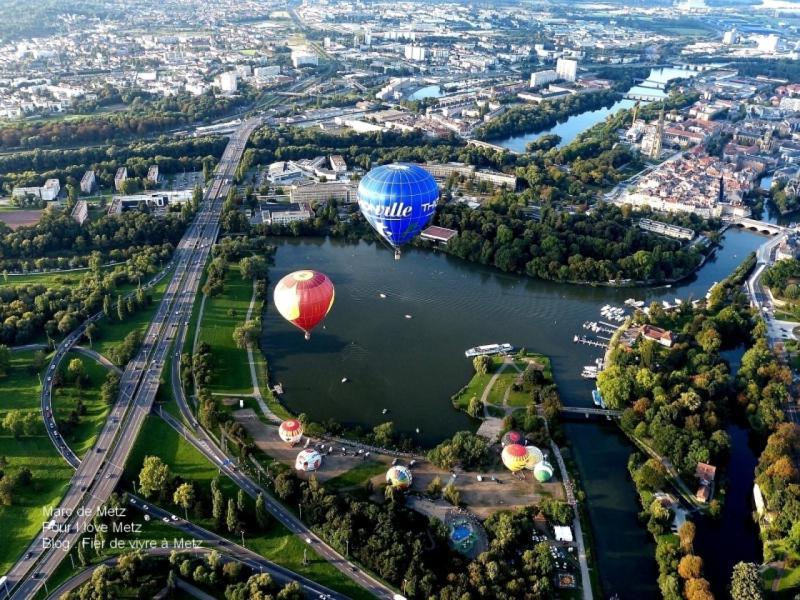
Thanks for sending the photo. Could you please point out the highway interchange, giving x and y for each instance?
(98, 473)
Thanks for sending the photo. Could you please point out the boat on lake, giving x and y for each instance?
(597, 398)
(489, 349)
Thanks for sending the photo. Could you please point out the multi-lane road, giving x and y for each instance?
(98, 473)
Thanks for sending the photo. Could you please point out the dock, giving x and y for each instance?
(587, 341)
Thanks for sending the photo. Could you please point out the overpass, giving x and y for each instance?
(759, 226)
(586, 411)
(495, 147)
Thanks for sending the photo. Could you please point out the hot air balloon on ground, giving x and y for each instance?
(399, 477)
(291, 431)
(308, 460)
(535, 456)
(543, 471)
(515, 457)
(304, 298)
(398, 201)
(511, 437)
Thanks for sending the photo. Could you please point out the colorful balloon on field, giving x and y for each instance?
(543, 471)
(515, 457)
(398, 201)
(511, 437)
(399, 477)
(308, 460)
(304, 298)
(291, 431)
(535, 456)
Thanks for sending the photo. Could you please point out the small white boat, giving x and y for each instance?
(382, 295)
(345, 380)
(417, 429)
(384, 411)
(408, 316)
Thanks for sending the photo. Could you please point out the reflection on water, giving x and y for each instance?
(412, 366)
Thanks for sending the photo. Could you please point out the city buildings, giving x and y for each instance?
(47, 192)
(567, 69)
(88, 182)
(120, 178)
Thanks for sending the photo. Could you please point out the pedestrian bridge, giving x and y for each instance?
(586, 411)
(760, 226)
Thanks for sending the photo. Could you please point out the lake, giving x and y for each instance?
(411, 366)
(574, 125)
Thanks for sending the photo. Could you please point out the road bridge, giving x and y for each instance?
(759, 226)
(586, 410)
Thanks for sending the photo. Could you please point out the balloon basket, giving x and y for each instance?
(307, 336)
(397, 254)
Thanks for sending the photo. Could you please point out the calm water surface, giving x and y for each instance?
(571, 127)
(411, 366)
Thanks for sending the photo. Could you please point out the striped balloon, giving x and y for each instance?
(304, 298)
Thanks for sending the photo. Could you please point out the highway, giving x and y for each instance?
(240, 553)
(98, 474)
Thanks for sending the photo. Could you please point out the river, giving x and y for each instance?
(572, 126)
(411, 366)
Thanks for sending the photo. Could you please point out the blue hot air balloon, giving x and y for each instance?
(398, 200)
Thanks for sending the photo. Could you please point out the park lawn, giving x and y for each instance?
(790, 576)
(503, 382)
(355, 477)
(110, 330)
(231, 371)
(21, 521)
(72, 277)
(475, 387)
(277, 544)
(65, 399)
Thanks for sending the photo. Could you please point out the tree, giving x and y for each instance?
(5, 360)
(262, 517)
(14, 422)
(154, 476)
(240, 503)
(746, 582)
(690, 566)
(184, 497)
(107, 305)
(698, 589)
(109, 390)
(90, 332)
(231, 518)
(482, 364)
(686, 534)
(247, 333)
(253, 267)
(451, 494)
(76, 371)
(475, 407)
(384, 434)
(434, 488)
(217, 505)
(120, 308)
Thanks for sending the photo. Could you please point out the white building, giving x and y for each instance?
(540, 78)
(416, 53)
(730, 37)
(304, 58)
(48, 192)
(338, 164)
(768, 43)
(152, 173)
(567, 69)
(267, 72)
(228, 82)
(88, 182)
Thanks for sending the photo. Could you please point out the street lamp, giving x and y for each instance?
(242, 532)
(300, 506)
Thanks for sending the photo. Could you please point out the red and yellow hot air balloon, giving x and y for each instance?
(515, 457)
(304, 298)
(291, 431)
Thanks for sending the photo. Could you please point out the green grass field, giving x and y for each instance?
(355, 477)
(23, 519)
(65, 399)
(231, 373)
(276, 544)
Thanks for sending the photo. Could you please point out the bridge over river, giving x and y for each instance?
(586, 411)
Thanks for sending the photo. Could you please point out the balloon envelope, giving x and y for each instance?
(399, 477)
(291, 431)
(304, 298)
(515, 457)
(398, 201)
(308, 460)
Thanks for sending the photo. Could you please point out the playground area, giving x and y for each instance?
(466, 535)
